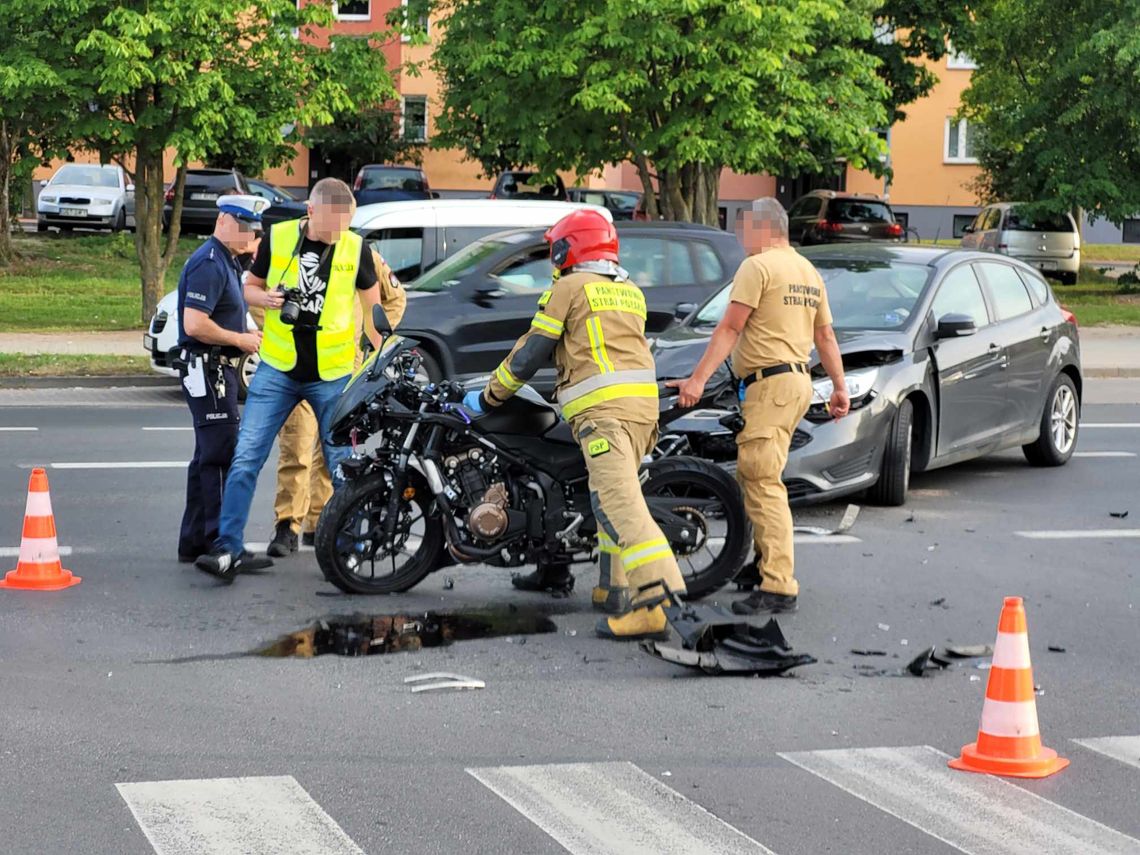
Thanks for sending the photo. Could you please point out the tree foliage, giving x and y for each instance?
(681, 88)
(356, 137)
(1055, 102)
(211, 79)
(41, 91)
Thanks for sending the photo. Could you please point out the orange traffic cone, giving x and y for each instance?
(38, 568)
(1009, 741)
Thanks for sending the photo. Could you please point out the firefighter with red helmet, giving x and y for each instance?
(592, 322)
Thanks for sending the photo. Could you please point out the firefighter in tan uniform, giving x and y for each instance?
(304, 484)
(777, 309)
(592, 322)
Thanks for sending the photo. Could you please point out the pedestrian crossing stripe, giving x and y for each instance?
(616, 808)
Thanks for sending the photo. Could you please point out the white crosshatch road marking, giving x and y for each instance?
(978, 814)
(613, 809)
(1126, 749)
(228, 816)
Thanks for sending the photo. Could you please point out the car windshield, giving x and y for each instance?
(858, 211)
(87, 176)
(446, 274)
(863, 295)
(393, 179)
(1018, 221)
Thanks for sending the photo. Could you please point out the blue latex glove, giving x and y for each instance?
(473, 403)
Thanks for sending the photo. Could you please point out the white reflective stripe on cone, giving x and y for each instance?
(1011, 651)
(39, 550)
(1009, 718)
(39, 504)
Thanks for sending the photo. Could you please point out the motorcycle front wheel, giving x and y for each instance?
(709, 500)
(349, 536)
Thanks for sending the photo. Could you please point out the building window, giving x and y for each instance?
(958, 146)
(960, 223)
(1131, 231)
(422, 23)
(413, 122)
(956, 61)
(353, 10)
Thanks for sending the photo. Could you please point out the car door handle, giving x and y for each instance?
(1046, 334)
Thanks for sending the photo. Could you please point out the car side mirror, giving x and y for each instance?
(43, 182)
(683, 310)
(969, 230)
(130, 188)
(487, 291)
(956, 326)
(434, 194)
(380, 320)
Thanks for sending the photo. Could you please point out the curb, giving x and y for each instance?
(109, 382)
(1101, 373)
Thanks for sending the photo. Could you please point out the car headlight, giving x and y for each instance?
(51, 200)
(860, 388)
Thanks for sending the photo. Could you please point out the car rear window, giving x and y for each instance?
(1018, 222)
(393, 179)
(858, 211)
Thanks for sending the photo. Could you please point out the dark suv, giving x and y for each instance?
(828, 216)
(380, 183)
(203, 187)
(470, 309)
(526, 185)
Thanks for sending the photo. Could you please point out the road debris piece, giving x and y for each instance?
(716, 641)
(923, 662)
(861, 651)
(885, 627)
(941, 601)
(1118, 514)
(845, 524)
(969, 651)
(448, 583)
(1054, 648)
(909, 519)
(443, 680)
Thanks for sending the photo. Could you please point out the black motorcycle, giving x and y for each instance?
(507, 489)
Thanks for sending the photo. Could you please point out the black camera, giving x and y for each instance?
(291, 308)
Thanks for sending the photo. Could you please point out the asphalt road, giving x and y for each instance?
(142, 674)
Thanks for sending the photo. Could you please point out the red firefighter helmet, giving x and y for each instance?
(582, 236)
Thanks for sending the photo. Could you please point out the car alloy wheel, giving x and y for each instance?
(1063, 419)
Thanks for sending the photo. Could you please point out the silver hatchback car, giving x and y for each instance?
(949, 355)
(1052, 244)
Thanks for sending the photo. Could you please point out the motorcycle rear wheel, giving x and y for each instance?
(347, 541)
(705, 494)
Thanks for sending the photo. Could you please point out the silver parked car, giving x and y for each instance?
(86, 195)
(1052, 244)
(949, 355)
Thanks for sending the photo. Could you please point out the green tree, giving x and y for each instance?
(356, 137)
(1055, 104)
(41, 90)
(681, 88)
(203, 78)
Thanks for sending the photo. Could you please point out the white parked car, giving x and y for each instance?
(1051, 244)
(161, 343)
(86, 195)
(415, 236)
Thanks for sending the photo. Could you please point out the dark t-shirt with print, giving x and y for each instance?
(314, 261)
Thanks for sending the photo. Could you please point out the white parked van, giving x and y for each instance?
(415, 236)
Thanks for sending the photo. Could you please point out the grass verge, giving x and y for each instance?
(72, 283)
(68, 365)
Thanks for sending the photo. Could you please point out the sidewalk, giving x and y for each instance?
(1105, 351)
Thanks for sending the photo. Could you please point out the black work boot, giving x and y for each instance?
(550, 578)
(308, 538)
(765, 603)
(284, 540)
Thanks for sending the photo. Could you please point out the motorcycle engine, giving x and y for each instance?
(475, 474)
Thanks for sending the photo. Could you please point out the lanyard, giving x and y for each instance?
(297, 251)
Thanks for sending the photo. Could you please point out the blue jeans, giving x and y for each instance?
(272, 397)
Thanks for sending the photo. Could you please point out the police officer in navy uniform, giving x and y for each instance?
(212, 320)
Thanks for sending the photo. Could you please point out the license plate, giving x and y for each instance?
(73, 212)
(204, 197)
(148, 343)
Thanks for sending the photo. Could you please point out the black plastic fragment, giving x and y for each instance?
(1055, 648)
(864, 651)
